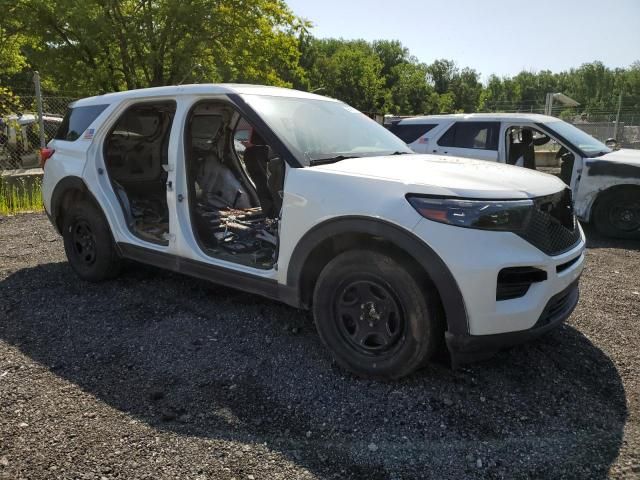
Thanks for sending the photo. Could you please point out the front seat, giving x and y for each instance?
(528, 149)
(256, 158)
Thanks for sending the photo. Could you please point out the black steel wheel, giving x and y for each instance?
(84, 242)
(88, 243)
(378, 319)
(368, 315)
(625, 216)
(617, 213)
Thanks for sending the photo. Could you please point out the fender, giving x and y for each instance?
(431, 263)
(60, 190)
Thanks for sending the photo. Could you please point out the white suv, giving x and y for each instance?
(605, 182)
(326, 210)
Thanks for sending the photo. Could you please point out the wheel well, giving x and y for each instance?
(329, 248)
(67, 198)
(610, 191)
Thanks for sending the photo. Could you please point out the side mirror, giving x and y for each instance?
(612, 143)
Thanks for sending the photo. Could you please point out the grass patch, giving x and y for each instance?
(20, 194)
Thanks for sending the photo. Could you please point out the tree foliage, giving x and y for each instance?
(96, 46)
(110, 45)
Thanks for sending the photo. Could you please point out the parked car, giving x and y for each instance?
(20, 140)
(394, 252)
(605, 182)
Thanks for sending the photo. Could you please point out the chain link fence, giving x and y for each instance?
(20, 127)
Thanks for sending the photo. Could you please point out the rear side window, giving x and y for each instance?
(76, 121)
(476, 135)
(409, 133)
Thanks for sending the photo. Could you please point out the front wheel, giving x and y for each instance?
(88, 243)
(375, 317)
(617, 213)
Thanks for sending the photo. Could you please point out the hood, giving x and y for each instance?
(628, 156)
(452, 176)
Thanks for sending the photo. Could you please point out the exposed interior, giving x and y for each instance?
(235, 186)
(531, 148)
(136, 157)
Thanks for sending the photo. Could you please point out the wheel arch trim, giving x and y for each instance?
(423, 254)
(64, 186)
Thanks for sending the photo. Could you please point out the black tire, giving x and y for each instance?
(375, 317)
(88, 243)
(617, 213)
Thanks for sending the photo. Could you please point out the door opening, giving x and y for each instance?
(136, 154)
(531, 148)
(235, 182)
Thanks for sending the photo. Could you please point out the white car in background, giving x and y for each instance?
(395, 253)
(20, 140)
(605, 183)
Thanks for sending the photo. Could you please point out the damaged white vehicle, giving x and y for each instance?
(305, 200)
(605, 182)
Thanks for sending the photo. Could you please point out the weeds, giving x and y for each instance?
(20, 194)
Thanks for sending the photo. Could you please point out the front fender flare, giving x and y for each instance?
(417, 249)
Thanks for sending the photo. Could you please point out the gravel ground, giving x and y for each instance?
(158, 376)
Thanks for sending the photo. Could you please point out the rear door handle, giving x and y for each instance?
(169, 185)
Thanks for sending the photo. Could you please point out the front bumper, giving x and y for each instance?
(475, 259)
(465, 348)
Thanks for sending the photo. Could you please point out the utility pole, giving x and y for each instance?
(615, 130)
(36, 81)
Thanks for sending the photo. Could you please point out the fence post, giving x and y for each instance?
(36, 81)
(615, 131)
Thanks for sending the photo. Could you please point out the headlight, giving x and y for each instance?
(502, 215)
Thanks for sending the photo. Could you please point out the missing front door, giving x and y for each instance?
(235, 186)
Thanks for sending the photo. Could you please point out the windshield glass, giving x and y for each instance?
(585, 142)
(322, 129)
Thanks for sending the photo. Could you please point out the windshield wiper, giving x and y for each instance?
(401, 153)
(325, 161)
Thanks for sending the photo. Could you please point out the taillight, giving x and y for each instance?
(45, 154)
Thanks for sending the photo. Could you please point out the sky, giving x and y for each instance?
(492, 36)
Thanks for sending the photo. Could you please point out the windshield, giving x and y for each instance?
(585, 142)
(323, 129)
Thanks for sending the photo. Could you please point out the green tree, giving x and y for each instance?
(353, 76)
(441, 74)
(102, 45)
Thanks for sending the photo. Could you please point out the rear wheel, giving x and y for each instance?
(374, 316)
(617, 213)
(88, 243)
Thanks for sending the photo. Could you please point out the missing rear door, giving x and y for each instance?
(136, 156)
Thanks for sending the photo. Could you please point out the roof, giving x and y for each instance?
(483, 117)
(198, 89)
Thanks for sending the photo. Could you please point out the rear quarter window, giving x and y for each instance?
(409, 133)
(76, 121)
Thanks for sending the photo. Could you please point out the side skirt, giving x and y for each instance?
(222, 276)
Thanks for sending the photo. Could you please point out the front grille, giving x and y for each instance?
(552, 226)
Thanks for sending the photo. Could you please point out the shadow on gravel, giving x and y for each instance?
(596, 240)
(199, 360)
